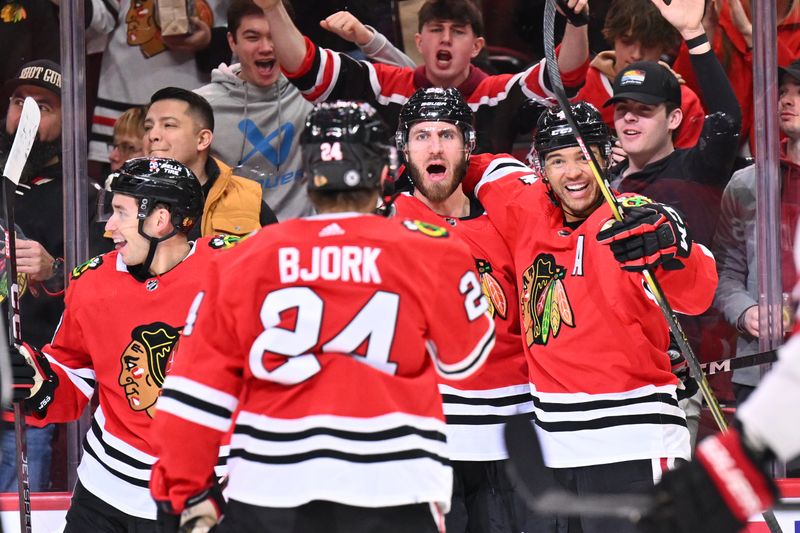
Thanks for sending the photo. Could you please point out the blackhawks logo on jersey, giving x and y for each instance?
(426, 229)
(544, 301)
(92, 264)
(224, 241)
(498, 304)
(145, 362)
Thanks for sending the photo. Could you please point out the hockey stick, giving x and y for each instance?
(728, 365)
(17, 157)
(542, 495)
(611, 200)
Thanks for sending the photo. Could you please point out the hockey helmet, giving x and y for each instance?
(436, 104)
(345, 146)
(158, 180)
(553, 132)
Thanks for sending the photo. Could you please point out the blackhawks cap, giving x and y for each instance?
(42, 73)
(792, 70)
(646, 82)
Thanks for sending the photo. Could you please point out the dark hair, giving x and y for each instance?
(356, 200)
(460, 11)
(639, 20)
(199, 107)
(239, 9)
(158, 339)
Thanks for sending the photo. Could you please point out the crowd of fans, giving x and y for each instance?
(229, 101)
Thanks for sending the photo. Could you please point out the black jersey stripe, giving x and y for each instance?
(114, 452)
(373, 436)
(143, 483)
(481, 420)
(197, 403)
(551, 407)
(403, 455)
(499, 401)
(611, 421)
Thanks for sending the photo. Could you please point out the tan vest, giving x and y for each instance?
(233, 205)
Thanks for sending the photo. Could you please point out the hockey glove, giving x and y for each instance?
(34, 380)
(715, 493)
(688, 385)
(201, 513)
(648, 236)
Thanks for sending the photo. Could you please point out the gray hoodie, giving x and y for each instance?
(257, 131)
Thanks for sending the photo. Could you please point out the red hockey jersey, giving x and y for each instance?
(116, 338)
(595, 338)
(324, 337)
(495, 100)
(477, 408)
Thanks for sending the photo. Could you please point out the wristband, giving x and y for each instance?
(694, 42)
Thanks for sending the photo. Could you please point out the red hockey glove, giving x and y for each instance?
(34, 380)
(715, 493)
(648, 236)
(201, 513)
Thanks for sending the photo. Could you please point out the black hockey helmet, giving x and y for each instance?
(436, 104)
(553, 132)
(159, 180)
(345, 145)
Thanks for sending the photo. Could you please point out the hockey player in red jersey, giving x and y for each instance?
(437, 137)
(450, 36)
(325, 336)
(116, 339)
(604, 394)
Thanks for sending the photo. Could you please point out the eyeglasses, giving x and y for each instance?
(44, 107)
(125, 149)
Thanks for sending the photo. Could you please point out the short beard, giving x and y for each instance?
(437, 192)
(41, 154)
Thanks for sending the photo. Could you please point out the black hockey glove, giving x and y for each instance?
(648, 236)
(715, 493)
(201, 513)
(34, 380)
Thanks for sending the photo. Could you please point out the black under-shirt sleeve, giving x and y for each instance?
(266, 216)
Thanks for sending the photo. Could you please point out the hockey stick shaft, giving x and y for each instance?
(735, 363)
(611, 200)
(18, 155)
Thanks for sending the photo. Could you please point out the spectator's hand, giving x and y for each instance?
(348, 27)
(748, 322)
(618, 155)
(686, 16)
(741, 21)
(674, 73)
(191, 43)
(576, 6)
(34, 260)
(266, 4)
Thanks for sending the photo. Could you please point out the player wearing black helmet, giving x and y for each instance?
(124, 313)
(436, 131)
(324, 339)
(596, 342)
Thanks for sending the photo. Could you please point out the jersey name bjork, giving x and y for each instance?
(344, 263)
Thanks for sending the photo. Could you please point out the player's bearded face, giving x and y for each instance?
(572, 182)
(437, 160)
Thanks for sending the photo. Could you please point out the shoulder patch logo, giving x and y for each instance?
(91, 264)
(145, 362)
(429, 230)
(544, 301)
(498, 303)
(634, 201)
(13, 13)
(224, 241)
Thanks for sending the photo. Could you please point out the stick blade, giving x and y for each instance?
(23, 140)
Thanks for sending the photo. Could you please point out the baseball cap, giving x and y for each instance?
(792, 70)
(646, 82)
(42, 73)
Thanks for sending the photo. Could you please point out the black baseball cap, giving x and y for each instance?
(792, 70)
(646, 82)
(42, 73)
